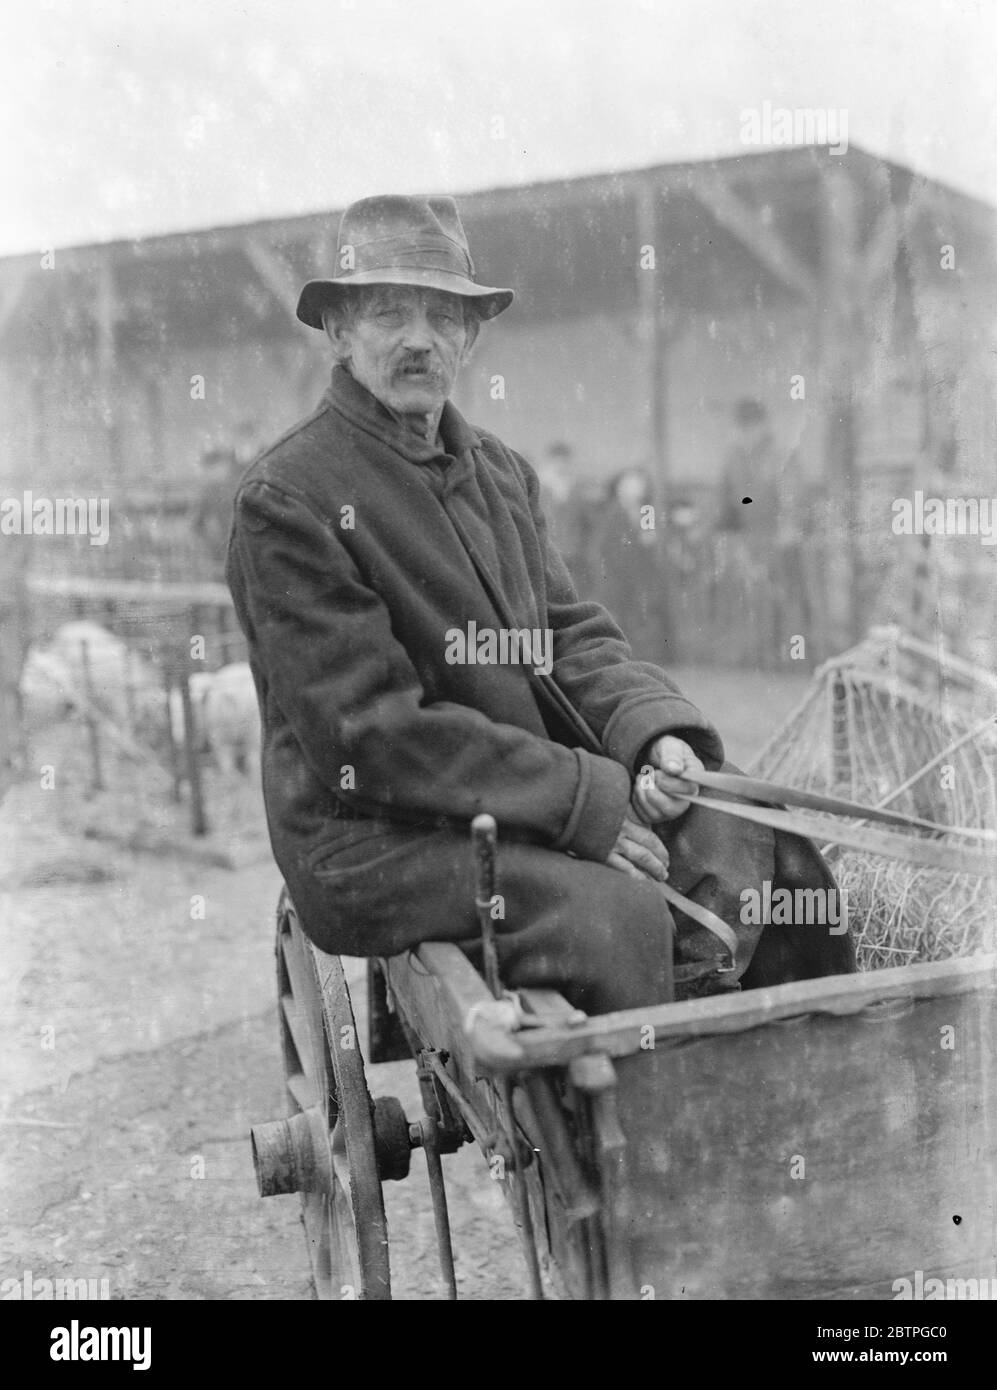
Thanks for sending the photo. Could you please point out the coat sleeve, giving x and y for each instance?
(322, 639)
(627, 703)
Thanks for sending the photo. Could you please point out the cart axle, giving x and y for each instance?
(293, 1155)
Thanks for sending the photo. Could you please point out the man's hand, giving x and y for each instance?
(639, 852)
(658, 788)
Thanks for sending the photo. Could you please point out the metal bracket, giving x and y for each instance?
(442, 1103)
(595, 1076)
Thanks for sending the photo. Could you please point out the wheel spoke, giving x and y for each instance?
(297, 1027)
(307, 1006)
(345, 1229)
(341, 1217)
(303, 1090)
(301, 1012)
(317, 1235)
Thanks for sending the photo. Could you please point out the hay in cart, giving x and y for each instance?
(896, 723)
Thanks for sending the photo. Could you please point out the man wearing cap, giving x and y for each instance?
(365, 541)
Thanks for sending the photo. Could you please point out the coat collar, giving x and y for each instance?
(346, 396)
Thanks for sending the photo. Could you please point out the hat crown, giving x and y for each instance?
(393, 233)
(395, 240)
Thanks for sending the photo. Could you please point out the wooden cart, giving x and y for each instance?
(818, 1140)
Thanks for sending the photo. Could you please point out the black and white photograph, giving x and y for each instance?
(498, 698)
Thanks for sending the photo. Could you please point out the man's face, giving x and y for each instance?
(406, 346)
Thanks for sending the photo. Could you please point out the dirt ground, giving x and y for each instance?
(138, 1042)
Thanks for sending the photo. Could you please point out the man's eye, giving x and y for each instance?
(444, 317)
(390, 316)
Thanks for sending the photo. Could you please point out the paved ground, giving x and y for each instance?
(138, 1042)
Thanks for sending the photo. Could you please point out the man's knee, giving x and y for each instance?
(603, 939)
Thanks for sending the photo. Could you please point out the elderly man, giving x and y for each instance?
(420, 656)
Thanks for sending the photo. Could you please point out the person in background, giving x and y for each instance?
(212, 518)
(758, 559)
(570, 512)
(630, 578)
(749, 484)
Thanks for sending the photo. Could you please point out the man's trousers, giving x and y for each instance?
(606, 940)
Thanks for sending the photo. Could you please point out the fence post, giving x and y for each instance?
(167, 669)
(198, 818)
(93, 728)
(196, 625)
(131, 717)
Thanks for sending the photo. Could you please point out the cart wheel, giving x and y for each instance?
(342, 1204)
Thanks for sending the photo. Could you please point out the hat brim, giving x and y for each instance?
(319, 294)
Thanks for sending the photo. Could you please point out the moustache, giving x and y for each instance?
(418, 366)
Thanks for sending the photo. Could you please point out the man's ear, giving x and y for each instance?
(337, 334)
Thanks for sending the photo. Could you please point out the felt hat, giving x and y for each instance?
(402, 241)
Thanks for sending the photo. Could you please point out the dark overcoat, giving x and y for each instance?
(356, 551)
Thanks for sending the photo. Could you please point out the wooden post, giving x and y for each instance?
(651, 337)
(195, 626)
(16, 280)
(198, 818)
(652, 345)
(17, 629)
(38, 413)
(840, 351)
(93, 728)
(106, 313)
(171, 742)
(155, 423)
(131, 716)
(228, 632)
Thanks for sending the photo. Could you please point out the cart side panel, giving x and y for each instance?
(818, 1157)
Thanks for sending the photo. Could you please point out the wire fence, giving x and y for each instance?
(128, 659)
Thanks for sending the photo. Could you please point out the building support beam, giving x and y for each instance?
(107, 312)
(275, 272)
(841, 353)
(652, 341)
(895, 224)
(751, 228)
(17, 280)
